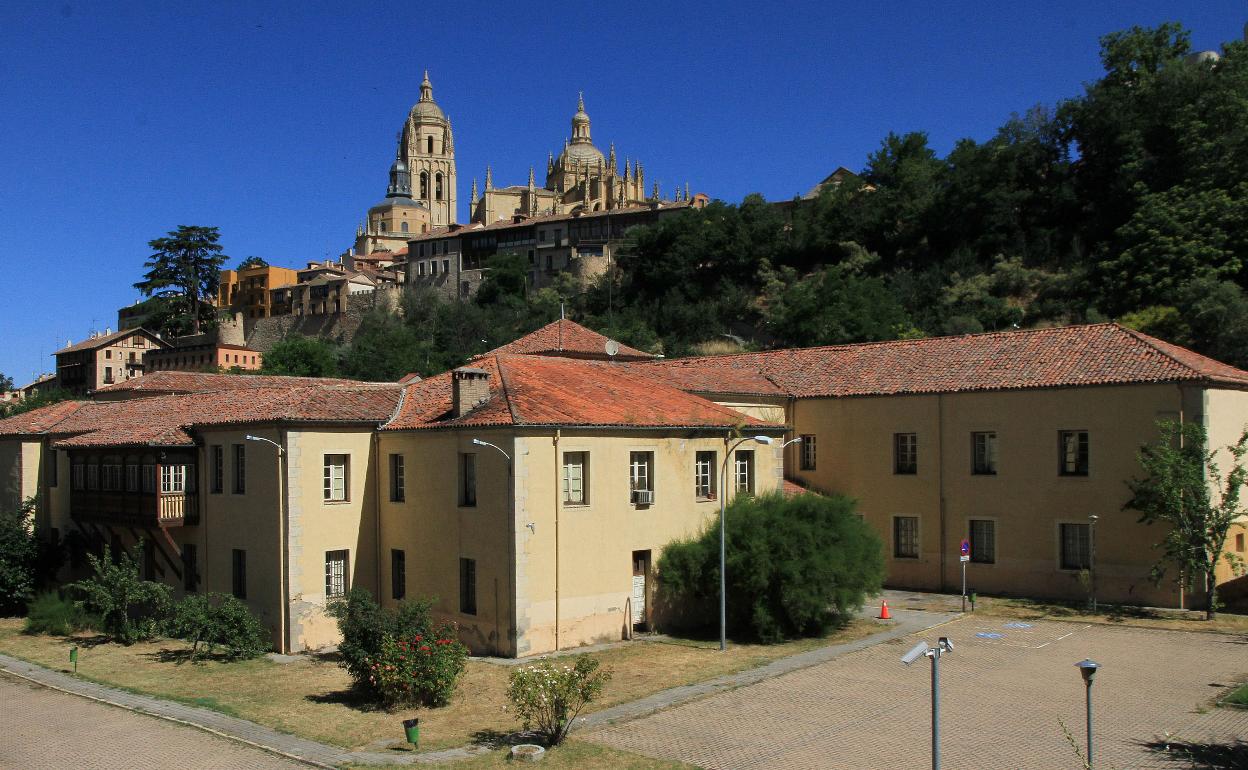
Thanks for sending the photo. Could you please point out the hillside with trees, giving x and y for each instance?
(1127, 202)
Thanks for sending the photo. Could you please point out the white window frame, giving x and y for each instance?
(336, 488)
(1061, 544)
(910, 450)
(173, 479)
(918, 537)
(809, 451)
(337, 576)
(977, 545)
(984, 453)
(640, 473)
(743, 471)
(575, 478)
(705, 464)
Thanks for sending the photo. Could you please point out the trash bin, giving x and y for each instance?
(411, 727)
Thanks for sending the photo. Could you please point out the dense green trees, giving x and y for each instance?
(184, 268)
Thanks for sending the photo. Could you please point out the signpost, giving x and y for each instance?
(966, 556)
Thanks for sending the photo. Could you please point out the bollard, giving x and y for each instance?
(73, 658)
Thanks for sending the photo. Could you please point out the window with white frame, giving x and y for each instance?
(78, 476)
(172, 479)
(984, 453)
(336, 565)
(93, 476)
(641, 477)
(575, 478)
(983, 539)
(1076, 546)
(905, 453)
(743, 471)
(397, 491)
(149, 478)
(335, 487)
(906, 537)
(132, 478)
(704, 476)
(112, 477)
(1073, 450)
(808, 451)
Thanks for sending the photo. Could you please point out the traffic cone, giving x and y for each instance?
(884, 615)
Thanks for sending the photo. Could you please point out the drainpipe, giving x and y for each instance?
(940, 475)
(558, 504)
(376, 439)
(283, 527)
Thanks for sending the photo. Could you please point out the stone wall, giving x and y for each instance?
(263, 333)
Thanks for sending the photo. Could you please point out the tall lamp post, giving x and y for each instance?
(1092, 557)
(281, 507)
(1087, 668)
(511, 516)
(723, 501)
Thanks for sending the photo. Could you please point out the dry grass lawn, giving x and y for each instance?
(311, 697)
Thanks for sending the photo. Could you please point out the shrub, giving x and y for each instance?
(547, 696)
(19, 552)
(374, 638)
(797, 566)
(51, 613)
(130, 608)
(218, 620)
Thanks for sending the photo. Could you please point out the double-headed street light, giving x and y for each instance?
(723, 500)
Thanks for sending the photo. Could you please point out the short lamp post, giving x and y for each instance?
(1088, 669)
(723, 500)
(922, 650)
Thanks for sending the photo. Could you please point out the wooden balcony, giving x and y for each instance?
(141, 509)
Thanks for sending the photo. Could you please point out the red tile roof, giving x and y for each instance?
(91, 343)
(571, 340)
(550, 391)
(39, 420)
(168, 381)
(1096, 354)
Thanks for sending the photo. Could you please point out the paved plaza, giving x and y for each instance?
(1006, 690)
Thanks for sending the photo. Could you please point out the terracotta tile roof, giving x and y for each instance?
(550, 391)
(570, 340)
(1096, 354)
(791, 488)
(167, 381)
(169, 420)
(91, 343)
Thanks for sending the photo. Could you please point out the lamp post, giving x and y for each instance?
(511, 515)
(283, 530)
(1092, 557)
(921, 650)
(1087, 668)
(723, 498)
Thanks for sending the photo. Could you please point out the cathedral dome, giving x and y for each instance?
(396, 202)
(426, 108)
(580, 153)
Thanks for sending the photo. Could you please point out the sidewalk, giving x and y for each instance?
(323, 755)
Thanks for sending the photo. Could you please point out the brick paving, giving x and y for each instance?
(1004, 699)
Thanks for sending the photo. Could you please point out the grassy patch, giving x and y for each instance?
(1238, 696)
(311, 697)
(572, 755)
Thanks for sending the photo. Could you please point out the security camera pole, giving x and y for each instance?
(921, 650)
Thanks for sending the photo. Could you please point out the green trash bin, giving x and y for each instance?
(411, 727)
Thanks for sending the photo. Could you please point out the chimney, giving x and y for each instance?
(469, 388)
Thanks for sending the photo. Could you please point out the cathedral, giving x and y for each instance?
(422, 196)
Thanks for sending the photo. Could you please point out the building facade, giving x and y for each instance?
(249, 291)
(104, 359)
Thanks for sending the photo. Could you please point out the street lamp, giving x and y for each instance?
(280, 450)
(283, 534)
(511, 516)
(1092, 557)
(1087, 668)
(920, 650)
(723, 497)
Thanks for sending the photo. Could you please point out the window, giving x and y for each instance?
(397, 493)
(336, 573)
(93, 476)
(906, 537)
(239, 573)
(704, 476)
(398, 573)
(467, 479)
(336, 478)
(403, 226)
(905, 453)
(575, 465)
(808, 452)
(108, 375)
(51, 470)
(218, 469)
(446, 265)
(172, 479)
(983, 537)
(641, 477)
(78, 476)
(437, 183)
(1076, 546)
(433, 267)
(132, 478)
(240, 469)
(1073, 446)
(190, 568)
(112, 477)
(743, 471)
(984, 454)
(1239, 542)
(424, 183)
(149, 478)
(468, 586)
(429, 145)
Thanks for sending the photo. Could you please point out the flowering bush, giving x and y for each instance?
(548, 696)
(418, 670)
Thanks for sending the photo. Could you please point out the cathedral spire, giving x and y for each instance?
(426, 89)
(472, 204)
(580, 122)
(489, 179)
(612, 165)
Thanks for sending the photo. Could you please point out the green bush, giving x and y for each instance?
(19, 553)
(373, 637)
(797, 566)
(218, 620)
(130, 608)
(547, 696)
(50, 613)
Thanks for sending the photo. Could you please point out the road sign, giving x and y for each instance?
(966, 547)
(964, 558)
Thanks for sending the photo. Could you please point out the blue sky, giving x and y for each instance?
(276, 122)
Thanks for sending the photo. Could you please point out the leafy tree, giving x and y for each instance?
(36, 400)
(19, 554)
(1184, 490)
(298, 356)
(218, 620)
(506, 279)
(834, 306)
(130, 608)
(6, 383)
(185, 267)
(797, 566)
(252, 262)
(383, 349)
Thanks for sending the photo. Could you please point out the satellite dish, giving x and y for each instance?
(613, 347)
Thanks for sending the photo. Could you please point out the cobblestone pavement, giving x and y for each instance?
(1006, 690)
(49, 730)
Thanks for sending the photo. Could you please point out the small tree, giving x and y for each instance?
(218, 620)
(548, 696)
(130, 608)
(298, 356)
(253, 262)
(19, 556)
(185, 266)
(1184, 488)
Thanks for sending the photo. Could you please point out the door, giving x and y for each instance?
(641, 574)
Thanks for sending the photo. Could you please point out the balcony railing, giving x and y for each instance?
(144, 509)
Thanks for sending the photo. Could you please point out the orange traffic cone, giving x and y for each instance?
(884, 611)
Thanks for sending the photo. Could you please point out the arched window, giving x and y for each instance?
(403, 226)
(424, 185)
(381, 225)
(429, 145)
(438, 181)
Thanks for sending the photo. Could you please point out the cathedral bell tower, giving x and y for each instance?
(427, 148)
